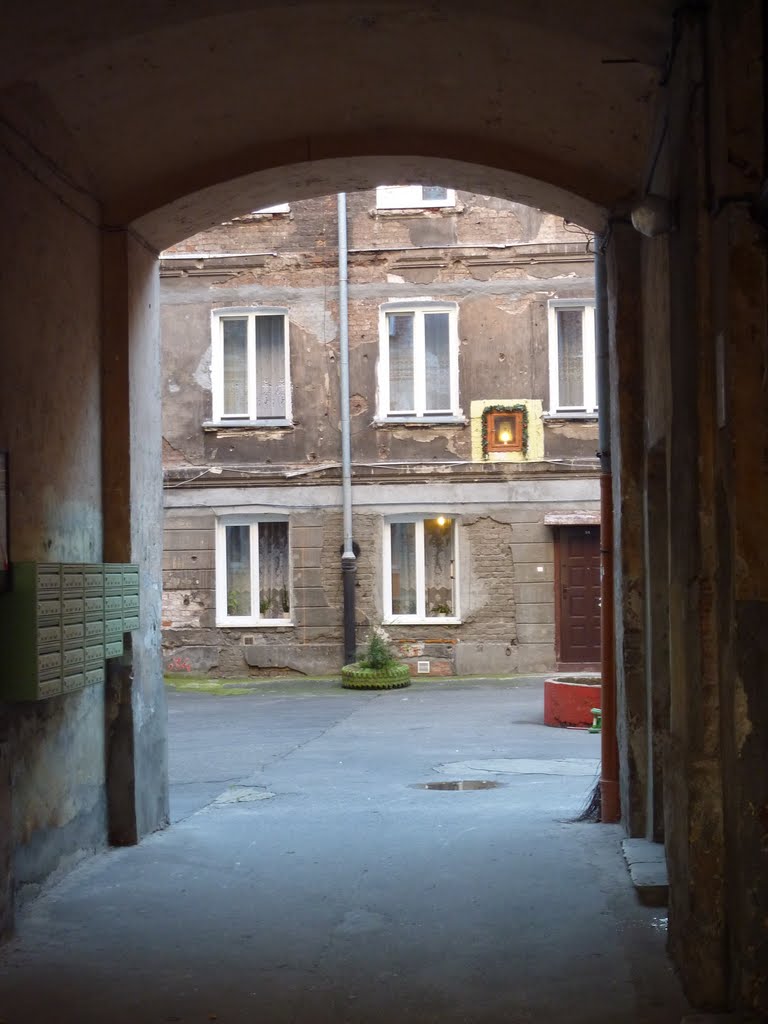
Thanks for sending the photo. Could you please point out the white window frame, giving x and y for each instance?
(588, 354)
(223, 618)
(218, 316)
(411, 197)
(419, 309)
(421, 615)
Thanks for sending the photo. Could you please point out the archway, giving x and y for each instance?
(110, 115)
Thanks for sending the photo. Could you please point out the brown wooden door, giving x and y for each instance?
(578, 560)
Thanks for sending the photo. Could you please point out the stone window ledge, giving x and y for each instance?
(212, 425)
(569, 416)
(417, 211)
(421, 421)
(411, 620)
(258, 624)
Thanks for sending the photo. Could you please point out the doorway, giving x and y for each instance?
(577, 597)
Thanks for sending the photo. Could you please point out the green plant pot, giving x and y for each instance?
(355, 677)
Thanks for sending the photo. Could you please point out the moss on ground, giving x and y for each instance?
(188, 683)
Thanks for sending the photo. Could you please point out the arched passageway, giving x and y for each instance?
(126, 129)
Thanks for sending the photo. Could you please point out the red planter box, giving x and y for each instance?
(569, 700)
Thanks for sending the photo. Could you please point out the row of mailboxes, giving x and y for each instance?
(59, 623)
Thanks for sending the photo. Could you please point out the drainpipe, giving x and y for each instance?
(609, 773)
(348, 559)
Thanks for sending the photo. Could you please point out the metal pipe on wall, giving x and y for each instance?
(610, 807)
(348, 558)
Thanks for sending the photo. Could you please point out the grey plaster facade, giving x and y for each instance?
(500, 265)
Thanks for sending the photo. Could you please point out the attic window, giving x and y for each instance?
(414, 197)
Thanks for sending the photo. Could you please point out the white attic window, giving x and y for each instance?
(414, 197)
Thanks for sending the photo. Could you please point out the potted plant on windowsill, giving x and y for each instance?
(378, 669)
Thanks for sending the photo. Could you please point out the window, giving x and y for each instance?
(504, 430)
(419, 361)
(572, 377)
(419, 569)
(277, 208)
(250, 366)
(252, 572)
(414, 197)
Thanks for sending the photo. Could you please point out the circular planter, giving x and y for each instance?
(569, 699)
(355, 677)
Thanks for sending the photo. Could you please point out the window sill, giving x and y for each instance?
(214, 425)
(420, 421)
(570, 415)
(255, 623)
(414, 620)
(416, 211)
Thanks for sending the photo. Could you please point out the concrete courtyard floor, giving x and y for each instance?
(305, 880)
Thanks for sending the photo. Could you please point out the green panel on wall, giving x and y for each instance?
(58, 624)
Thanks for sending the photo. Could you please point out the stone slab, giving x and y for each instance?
(641, 851)
(648, 870)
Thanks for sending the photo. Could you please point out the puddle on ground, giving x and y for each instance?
(463, 784)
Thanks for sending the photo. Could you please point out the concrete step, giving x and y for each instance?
(648, 870)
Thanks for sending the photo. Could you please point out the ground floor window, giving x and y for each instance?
(252, 571)
(420, 569)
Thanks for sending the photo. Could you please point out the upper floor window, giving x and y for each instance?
(252, 571)
(419, 360)
(414, 197)
(420, 569)
(572, 374)
(250, 365)
(277, 208)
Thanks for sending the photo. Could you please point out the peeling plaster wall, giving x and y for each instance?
(506, 573)
(52, 803)
(500, 262)
(695, 710)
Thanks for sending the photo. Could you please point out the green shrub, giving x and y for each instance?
(377, 654)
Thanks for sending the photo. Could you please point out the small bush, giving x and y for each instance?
(377, 654)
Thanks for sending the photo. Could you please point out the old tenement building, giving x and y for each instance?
(473, 436)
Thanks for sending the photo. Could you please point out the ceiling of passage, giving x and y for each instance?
(176, 115)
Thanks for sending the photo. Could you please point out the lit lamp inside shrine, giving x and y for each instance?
(505, 432)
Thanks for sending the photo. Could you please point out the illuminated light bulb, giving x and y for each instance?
(505, 437)
(441, 520)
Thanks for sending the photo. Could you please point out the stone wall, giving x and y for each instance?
(505, 592)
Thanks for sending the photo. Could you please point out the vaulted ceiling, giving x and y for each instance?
(176, 115)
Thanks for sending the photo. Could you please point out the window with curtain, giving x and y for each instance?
(572, 373)
(420, 569)
(250, 366)
(252, 572)
(418, 363)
